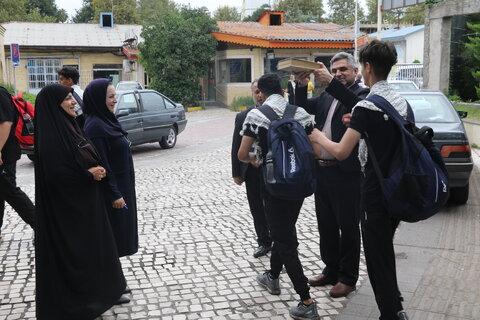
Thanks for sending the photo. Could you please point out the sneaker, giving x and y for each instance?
(261, 251)
(303, 312)
(272, 285)
(402, 315)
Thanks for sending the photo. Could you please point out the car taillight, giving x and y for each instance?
(456, 151)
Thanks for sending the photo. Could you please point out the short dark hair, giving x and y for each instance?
(269, 84)
(382, 55)
(69, 73)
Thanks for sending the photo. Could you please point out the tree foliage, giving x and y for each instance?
(150, 10)
(32, 11)
(124, 11)
(177, 50)
(226, 13)
(257, 13)
(343, 12)
(301, 10)
(409, 15)
(473, 47)
(85, 13)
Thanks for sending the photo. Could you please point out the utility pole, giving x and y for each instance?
(355, 54)
(379, 19)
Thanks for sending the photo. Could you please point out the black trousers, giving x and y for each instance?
(253, 183)
(16, 198)
(378, 229)
(282, 216)
(337, 205)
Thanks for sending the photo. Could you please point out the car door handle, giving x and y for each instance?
(173, 116)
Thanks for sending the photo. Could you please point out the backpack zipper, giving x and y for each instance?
(284, 159)
(436, 180)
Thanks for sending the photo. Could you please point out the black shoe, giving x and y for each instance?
(122, 300)
(127, 290)
(261, 251)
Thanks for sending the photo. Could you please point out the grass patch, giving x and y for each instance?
(473, 111)
(240, 102)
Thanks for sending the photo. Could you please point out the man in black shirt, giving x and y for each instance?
(367, 120)
(337, 196)
(9, 154)
(253, 180)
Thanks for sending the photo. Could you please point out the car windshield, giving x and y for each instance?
(431, 108)
(128, 86)
(403, 85)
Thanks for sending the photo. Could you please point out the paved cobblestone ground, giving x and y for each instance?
(196, 243)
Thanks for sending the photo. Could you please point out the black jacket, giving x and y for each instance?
(239, 169)
(320, 105)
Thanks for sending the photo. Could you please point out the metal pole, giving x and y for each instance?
(15, 80)
(379, 19)
(356, 31)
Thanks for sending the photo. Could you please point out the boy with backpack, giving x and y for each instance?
(9, 154)
(379, 148)
(282, 210)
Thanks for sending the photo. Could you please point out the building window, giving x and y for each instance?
(235, 70)
(42, 72)
(109, 71)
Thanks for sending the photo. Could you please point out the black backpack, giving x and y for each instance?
(289, 170)
(416, 186)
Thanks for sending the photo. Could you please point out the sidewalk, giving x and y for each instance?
(438, 271)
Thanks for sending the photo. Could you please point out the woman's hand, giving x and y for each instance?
(98, 173)
(119, 203)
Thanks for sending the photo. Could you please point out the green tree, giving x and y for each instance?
(46, 8)
(473, 47)
(257, 13)
(226, 13)
(343, 12)
(149, 10)
(176, 52)
(85, 13)
(124, 11)
(16, 10)
(301, 10)
(409, 15)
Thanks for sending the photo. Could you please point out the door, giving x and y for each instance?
(156, 118)
(133, 121)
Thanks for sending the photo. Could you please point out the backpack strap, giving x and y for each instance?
(289, 112)
(268, 112)
(385, 106)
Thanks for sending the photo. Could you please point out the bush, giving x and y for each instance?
(454, 98)
(30, 97)
(244, 101)
(8, 86)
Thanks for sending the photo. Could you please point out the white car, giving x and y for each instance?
(403, 84)
(129, 85)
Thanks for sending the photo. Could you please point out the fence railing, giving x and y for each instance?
(408, 71)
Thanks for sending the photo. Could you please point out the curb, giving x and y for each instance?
(195, 108)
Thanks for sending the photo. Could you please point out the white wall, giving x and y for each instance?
(414, 46)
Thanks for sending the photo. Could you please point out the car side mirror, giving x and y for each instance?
(122, 113)
(462, 114)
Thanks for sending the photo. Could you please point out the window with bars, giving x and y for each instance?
(42, 72)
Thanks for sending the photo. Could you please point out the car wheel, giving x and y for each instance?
(169, 141)
(31, 157)
(459, 195)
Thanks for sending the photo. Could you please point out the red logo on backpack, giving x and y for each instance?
(24, 127)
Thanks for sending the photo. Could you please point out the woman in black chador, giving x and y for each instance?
(78, 273)
(106, 133)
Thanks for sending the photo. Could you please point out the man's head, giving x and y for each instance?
(292, 76)
(68, 76)
(377, 59)
(256, 94)
(344, 68)
(269, 84)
